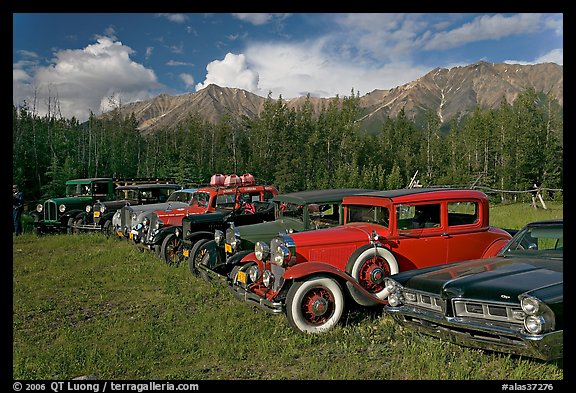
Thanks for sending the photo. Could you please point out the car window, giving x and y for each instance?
(290, 210)
(363, 213)
(537, 239)
(324, 215)
(462, 213)
(100, 189)
(418, 216)
(180, 197)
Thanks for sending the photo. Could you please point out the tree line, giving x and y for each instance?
(513, 147)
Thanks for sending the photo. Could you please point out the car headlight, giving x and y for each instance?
(218, 237)
(62, 208)
(530, 305)
(158, 224)
(267, 278)
(254, 273)
(39, 208)
(282, 250)
(261, 250)
(395, 297)
(233, 237)
(88, 208)
(540, 318)
(535, 324)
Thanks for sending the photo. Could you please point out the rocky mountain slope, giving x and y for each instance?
(448, 92)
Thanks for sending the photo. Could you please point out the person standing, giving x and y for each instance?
(17, 207)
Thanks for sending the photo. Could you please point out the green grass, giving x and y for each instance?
(85, 304)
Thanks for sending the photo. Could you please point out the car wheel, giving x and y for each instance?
(369, 266)
(36, 228)
(314, 305)
(77, 223)
(171, 250)
(196, 254)
(107, 228)
(70, 226)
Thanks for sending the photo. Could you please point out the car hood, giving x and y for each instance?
(71, 201)
(157, 206)
(349, 233)
(200, 217)
(265, 231)
(490, 279)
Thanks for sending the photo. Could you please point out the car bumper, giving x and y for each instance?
(478, 334)
(253, 299)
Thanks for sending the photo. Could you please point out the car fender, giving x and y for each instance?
(306, 269)
(70, 214)
(195, 236)
(494, 248)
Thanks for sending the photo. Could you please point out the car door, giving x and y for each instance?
(421, 235)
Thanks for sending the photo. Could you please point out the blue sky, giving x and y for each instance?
(89, 62)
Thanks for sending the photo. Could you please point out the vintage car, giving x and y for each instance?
(214, 208)
(294, 212)
(56, 215)
(511, 303)
(310, 275)
(126, 217)
(98, 217)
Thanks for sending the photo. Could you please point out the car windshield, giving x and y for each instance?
(537, 240)
(178, 196)
(363, 213)
(78, 190)
(289, 210)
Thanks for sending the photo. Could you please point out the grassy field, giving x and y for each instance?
(88, 305)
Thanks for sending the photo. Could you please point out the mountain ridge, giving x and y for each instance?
(449, 93)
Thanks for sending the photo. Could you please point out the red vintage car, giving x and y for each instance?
(311, 275)
(218, 204)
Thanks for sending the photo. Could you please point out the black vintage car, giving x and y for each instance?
(99, 216)
(512, 303)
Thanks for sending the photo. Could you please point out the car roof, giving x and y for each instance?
(147, 186)
(319, 196)
(88, 179)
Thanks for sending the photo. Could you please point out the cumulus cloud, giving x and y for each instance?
(230, 72)
(293, 70)
(85, 80)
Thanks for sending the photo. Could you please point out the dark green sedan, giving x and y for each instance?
(512, 303)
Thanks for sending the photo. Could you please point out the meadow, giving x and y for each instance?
(90, 305)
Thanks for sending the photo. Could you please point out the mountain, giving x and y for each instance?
(448, 92)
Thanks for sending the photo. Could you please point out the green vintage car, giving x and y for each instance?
(56, 215)
(294, 212)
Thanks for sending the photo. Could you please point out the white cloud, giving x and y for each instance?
(178, 18)
(293, 70)
(554, 56)
(486, 27)
(230, 72)
(258, 19)
(80, 81)
(187, 79)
